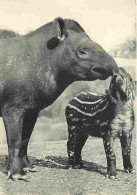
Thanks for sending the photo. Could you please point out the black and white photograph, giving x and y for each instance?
(68, 97)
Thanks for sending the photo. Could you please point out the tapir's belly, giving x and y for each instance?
(96, 127)
(86, 124)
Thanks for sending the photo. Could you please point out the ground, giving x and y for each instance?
(50, 158)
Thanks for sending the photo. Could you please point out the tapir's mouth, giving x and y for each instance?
(101, 73)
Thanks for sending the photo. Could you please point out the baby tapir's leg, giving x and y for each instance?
(110, 155)
(76, 141)
(126, 150)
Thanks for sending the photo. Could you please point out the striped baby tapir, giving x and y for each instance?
(107, 116)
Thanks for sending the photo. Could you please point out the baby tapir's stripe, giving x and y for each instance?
(88, 97)
(86, 102)
(90, 106)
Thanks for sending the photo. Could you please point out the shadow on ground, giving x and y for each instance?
(56, 162)
(4, 164)
(62, 163)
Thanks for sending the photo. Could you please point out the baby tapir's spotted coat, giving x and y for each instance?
(107, 116)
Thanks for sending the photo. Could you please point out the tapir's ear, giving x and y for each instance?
(59, 33)
(59, 28)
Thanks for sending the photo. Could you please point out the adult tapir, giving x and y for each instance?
(34, 71)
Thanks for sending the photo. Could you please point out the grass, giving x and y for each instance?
(49, 131)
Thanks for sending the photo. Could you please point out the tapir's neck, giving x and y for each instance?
(120, 105)
(61, 69)
(62, 78)
(118, 95)
(51, 82)
(51, 70)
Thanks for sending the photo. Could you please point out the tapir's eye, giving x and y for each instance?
(82, 52)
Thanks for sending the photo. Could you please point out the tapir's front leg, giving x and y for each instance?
(75, 144)
(13, 120)
(126, 150)
(110, 155)
(29, 121)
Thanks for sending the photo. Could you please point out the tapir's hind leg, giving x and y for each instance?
(29, 121)
(76, 141)
(126, 150)
(82, 138)
(13, 120)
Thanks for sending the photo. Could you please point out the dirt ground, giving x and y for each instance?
(50, 159)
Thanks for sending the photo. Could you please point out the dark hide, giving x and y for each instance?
(34, 71)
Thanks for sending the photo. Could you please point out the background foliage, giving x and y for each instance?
(4, 34)
(125, 50)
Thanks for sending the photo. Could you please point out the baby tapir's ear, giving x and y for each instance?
(59, 28)
(59, 33)
(135, 87)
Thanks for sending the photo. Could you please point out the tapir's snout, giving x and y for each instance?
(106, 69)
(105, 65)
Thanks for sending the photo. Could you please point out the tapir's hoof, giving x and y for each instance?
(112, 177)
(16, 177)
(129, 170)
(30, 169)
(77, 166)
(33, 169)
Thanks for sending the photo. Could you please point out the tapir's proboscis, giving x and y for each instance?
(34, 71)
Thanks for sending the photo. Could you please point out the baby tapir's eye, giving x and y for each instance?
(130, 79)
(82, 52)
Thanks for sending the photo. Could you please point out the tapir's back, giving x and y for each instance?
(86, 105)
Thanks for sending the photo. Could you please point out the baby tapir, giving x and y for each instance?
(107, 116)
(34, 71)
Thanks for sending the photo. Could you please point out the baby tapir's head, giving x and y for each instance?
(122, 86)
